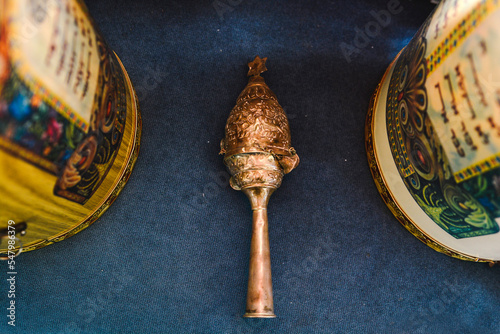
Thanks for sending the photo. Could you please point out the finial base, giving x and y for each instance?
(259, 315)
(252, 170)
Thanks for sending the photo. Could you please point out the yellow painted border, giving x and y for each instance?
(459, 34)
(477, 168)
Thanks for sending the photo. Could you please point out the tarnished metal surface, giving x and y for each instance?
(257, 151)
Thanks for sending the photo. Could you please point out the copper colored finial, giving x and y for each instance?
(258, 153)
(257, 66)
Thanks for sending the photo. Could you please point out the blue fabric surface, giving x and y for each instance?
(171, 254)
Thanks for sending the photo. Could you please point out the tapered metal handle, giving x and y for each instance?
(260, 288)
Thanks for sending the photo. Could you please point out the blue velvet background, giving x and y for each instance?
(171, 254)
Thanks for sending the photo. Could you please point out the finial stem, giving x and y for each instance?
(260, 289)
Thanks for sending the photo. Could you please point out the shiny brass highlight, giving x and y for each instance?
(257, 151)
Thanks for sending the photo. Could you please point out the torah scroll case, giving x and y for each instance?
(433, 131)
(69, 121)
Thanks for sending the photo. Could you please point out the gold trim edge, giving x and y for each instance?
(387, 195)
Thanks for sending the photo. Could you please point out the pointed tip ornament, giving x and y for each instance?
(257, 66)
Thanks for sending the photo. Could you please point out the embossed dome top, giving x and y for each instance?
(257, 123)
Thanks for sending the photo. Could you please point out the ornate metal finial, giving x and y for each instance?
(258, 124)
(258, 153)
